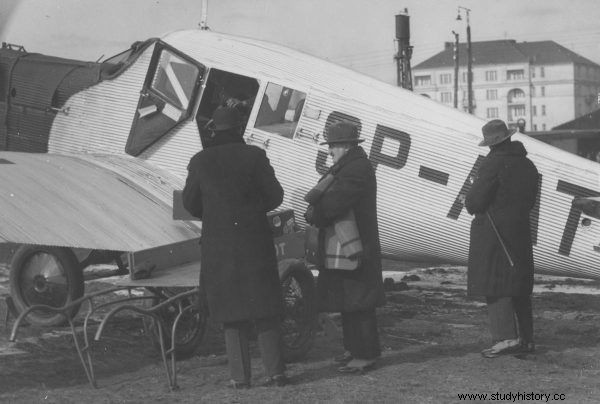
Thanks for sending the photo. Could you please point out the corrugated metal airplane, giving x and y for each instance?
(115, 139)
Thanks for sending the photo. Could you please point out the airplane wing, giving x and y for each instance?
(90, 201)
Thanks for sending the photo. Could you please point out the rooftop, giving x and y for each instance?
(505, 51)
(587, 121)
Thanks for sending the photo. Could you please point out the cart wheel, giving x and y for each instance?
(45, 275)
(190, 329)
(299, 322)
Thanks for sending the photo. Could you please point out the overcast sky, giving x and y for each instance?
(356, 33)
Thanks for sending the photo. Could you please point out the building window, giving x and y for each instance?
(516, 95)
(532, 91)
(446, 97)
(534, 110)
(445, 78)
(543, 91)
(542, 74)
(535, 127)
(516, 111)
(532, 70)
(543, 126)
(492, 112)
(490, 75)
(515, 74)
(543, 110)
(422, 81)
(491, 94)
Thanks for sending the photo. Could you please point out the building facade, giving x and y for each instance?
(542, 82)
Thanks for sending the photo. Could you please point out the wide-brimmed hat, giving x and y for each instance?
(494, 132)
(342, 132)
(225, 118)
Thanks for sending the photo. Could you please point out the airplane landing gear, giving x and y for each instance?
(45, 275)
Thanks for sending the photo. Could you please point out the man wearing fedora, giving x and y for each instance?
(231, 186)
(500, 252)
(355, 293)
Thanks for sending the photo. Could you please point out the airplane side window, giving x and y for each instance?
(280, 110)
(174, 79)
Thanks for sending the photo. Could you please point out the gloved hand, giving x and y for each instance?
(308, 215)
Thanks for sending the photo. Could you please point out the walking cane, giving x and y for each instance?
(499, 237)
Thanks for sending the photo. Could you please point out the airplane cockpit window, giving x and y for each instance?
(280, 110)
(167, 98)
(225, 89)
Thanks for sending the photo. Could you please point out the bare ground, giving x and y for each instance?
(430, 331)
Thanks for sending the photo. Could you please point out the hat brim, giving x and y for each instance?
(344, 141)
(489, 142)
(220, 128)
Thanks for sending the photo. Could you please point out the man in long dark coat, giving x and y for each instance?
(355, 293)
(501, 253)
(231, 186)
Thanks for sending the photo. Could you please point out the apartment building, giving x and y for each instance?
(542, 82)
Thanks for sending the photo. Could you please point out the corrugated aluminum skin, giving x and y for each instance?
(87, 201)
(413, 211)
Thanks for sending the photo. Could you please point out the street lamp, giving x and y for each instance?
(469, 59)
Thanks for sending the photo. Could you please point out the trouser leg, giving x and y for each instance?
(238, 350)
(270, 345)
(524, 312)
(502, 318)
(361, 336)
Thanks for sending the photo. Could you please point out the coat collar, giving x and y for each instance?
(514, 148)
(354, 153)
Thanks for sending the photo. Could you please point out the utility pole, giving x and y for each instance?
(455, 69)
(469, 60)
(403, 51)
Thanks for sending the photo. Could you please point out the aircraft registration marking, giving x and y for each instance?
(400, 159)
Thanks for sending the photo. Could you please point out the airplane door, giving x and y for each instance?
(167, 99)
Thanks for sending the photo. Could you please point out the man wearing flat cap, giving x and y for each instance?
(500, 252)
(355, 293)
(231, 186)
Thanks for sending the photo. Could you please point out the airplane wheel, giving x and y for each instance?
(299, 322)
(190, 329)
(45, 275)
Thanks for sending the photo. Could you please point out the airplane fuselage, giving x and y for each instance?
(424, 153)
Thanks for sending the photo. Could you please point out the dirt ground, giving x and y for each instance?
(431, 335)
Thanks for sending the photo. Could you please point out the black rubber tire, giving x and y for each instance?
(45, 275)
(194, 322)
(300, 319)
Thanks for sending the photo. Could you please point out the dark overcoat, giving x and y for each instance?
(506, 188)
(354, 187)
(231, 187)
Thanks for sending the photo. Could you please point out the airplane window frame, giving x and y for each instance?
(143, 132)
(156, 65)
(274, 115)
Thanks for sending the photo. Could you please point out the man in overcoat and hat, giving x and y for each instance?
(501, 253)
(231, 186)
(355, 293)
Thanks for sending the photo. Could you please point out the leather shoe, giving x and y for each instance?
(505, 347)
(239, 385)
(356, 366)
(277, 380)
(343, 358)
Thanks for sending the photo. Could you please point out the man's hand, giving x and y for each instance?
(308, 215)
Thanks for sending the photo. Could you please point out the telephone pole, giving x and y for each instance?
(455, 69)
(469, 59)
